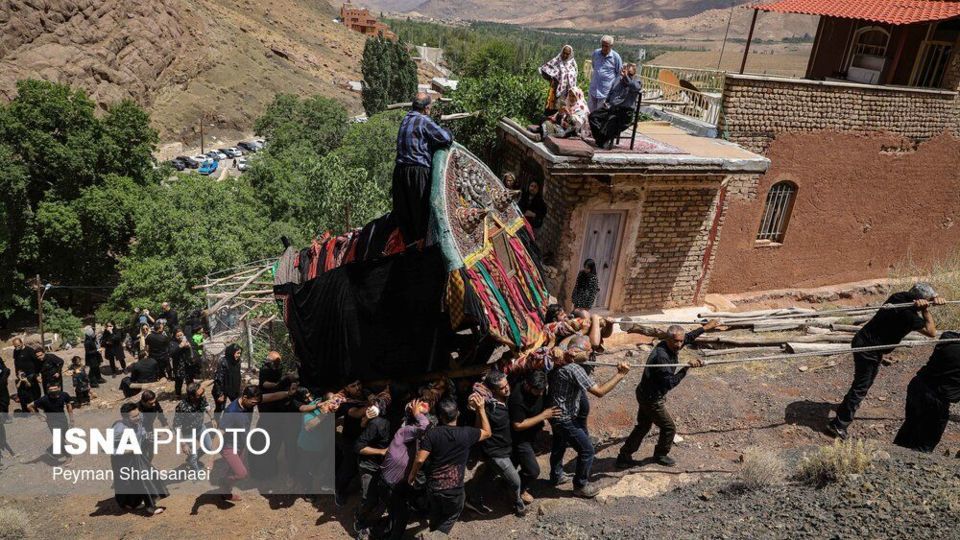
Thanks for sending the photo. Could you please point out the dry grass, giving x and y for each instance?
(835, 462)
(14, 524)
(944, 275)
(761, 468)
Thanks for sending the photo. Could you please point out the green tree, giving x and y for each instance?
(372, 146)
(127, 142)
(491, 56)
(389, 74)
(317, 121)
(55, 156)
(494, 96)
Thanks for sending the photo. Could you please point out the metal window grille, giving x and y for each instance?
(776, 213)
(933, 64)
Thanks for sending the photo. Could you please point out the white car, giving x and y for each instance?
(200, 158)
(242, 164)
(232, 152)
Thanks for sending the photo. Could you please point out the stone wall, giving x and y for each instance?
(757, 109)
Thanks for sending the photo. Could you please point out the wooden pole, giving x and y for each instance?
(746, 49)
(39, 287)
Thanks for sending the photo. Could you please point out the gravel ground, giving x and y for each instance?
(903, 495)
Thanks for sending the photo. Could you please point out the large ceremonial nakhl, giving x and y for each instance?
(360, 306)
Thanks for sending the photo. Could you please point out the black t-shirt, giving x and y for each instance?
(523, 405)
(272, 374)
(942, 372)
(54, 402)
(144, 371)
(351, 426)
(499, 444)
(158, 346)
(449, 448)
(890, 326)
(25, 360)
(376, 434)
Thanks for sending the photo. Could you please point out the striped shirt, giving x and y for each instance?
(419, 137)
(567, 383)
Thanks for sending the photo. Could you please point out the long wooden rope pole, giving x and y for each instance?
(790, 356)
(729, 319)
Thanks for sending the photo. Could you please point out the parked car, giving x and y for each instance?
(177, 164)
(216, 155)
(189, 162)
(243, 164)
(200, 159)
(231, 152)
(248, 146)
(261, 142)
(209, 167)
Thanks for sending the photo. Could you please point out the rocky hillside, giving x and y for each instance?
(183, 59)
(698, 19)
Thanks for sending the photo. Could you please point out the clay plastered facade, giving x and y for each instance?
(877, 172)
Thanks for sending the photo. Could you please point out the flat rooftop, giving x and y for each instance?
(659, 146)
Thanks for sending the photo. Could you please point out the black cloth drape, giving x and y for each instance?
(370, 320)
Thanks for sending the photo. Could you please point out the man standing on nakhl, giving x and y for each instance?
(419, 137)
(888, 327)
(606, 68)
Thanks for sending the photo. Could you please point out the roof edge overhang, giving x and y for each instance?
(896, 13)
(634, 164)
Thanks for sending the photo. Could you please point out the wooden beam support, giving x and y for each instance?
(746, 49)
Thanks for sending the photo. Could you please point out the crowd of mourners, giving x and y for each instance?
(609, 106)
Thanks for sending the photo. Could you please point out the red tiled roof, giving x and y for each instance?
(895, 12)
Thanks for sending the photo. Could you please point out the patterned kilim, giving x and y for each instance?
(471, 211)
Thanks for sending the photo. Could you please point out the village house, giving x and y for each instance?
(772, 182)
(360, 20)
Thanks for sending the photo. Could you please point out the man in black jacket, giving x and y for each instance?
(170, 316)
(929, 396)
(887, 327)
(370, 448)
(51, 370)
(26, 363)
(652, 391)
(617, 113)
(158, 347)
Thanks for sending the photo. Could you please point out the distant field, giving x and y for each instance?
(766, 60)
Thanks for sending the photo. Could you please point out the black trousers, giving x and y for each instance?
(115, 355)
(926, 418)
(866, 366)
(607, 123)
(347, 468)
(445, 508)
(4, 396)
(650, 413)
(411, 201)
(29, 393)
(526, 460)
(398, 506)
(93, 361)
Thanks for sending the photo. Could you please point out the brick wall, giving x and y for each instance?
(669, 248)
(756, 109)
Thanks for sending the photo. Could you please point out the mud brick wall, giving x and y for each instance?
(669, 249)
(756, 110)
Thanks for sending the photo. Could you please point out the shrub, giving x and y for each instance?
(761, 468)
(835, 462)
(14, 524)
(57, 320)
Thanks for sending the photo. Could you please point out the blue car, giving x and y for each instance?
(208, 167)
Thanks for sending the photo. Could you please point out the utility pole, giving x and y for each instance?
(201, 134)
(39, 287)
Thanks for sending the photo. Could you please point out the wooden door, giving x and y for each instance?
(602, 244)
